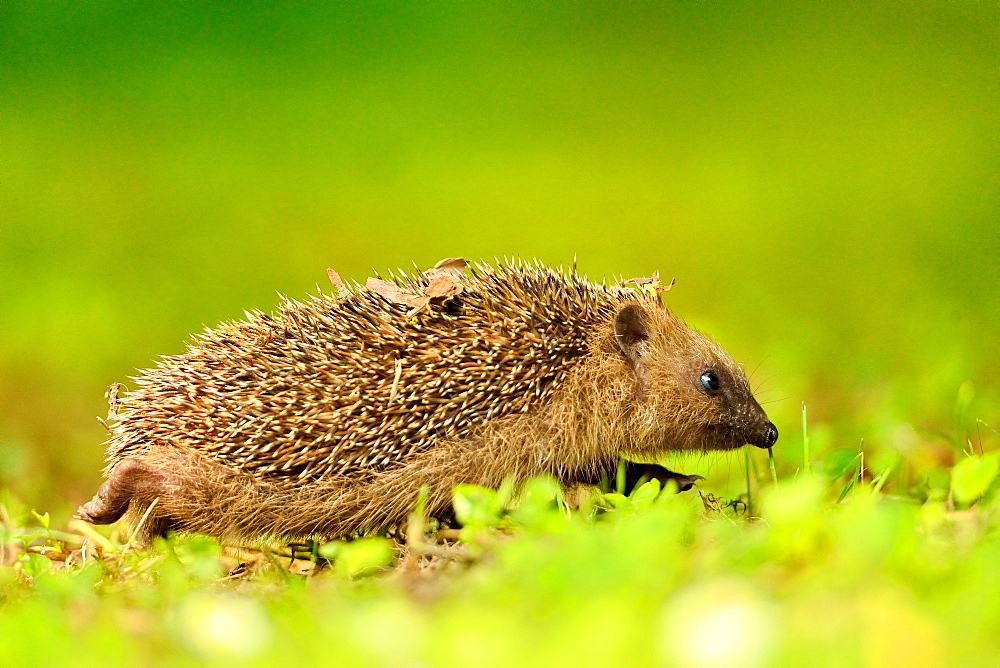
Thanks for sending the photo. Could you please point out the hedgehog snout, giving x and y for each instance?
(766, 437)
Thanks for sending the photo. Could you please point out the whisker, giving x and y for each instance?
(771, 401)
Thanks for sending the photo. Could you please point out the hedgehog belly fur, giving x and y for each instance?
(566, 438)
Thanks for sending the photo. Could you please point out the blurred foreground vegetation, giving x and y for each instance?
(823, 569)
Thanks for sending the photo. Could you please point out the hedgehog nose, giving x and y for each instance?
(770, 435)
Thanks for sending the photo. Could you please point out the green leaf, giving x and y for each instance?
(34, 564)
(643, 496)
(539, 504)
(972, 476)
(541, 489)
(361, 556)
(475, 506)
(357, 557)
(43, 520)
(616, 500)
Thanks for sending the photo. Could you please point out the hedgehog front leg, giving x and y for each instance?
(637, 473)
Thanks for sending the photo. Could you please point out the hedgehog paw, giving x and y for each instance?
(635, 474)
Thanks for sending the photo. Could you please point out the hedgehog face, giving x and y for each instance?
(733, 416)
(686, 380)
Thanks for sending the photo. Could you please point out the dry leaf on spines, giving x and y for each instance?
(444, 280)
(337, 282)
(452, 266)
(396, 294)
(650, 284)
(446, 277)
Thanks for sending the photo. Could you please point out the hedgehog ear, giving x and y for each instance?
(631, 330)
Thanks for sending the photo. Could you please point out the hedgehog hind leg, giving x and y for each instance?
(131, 479)
(147, 527)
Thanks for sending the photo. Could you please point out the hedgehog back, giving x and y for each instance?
(333, 386)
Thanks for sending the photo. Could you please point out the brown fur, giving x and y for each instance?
(329, 417)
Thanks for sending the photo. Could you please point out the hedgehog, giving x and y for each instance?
(327, 418)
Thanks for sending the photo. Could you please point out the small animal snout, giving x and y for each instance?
(768, 437)
(764, 438)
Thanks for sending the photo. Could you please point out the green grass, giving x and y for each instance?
(830, 567)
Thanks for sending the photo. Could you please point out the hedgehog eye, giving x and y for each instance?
(710, 381)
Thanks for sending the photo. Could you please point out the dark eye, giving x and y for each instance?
(710, 381)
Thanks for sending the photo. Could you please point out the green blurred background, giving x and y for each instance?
(821, 178)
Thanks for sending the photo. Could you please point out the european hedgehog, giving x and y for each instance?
(327, 418)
